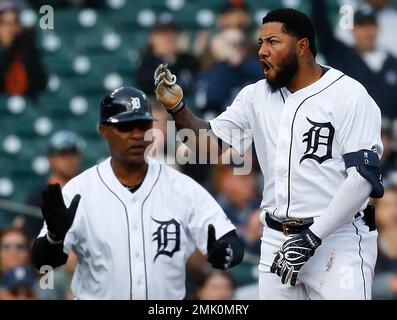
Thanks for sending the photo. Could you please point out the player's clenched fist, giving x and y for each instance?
(293, 254)
(58, 218)
(168, 92)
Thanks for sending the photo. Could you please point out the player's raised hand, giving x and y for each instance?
(220, 253)
(293, 254)
(168, 92)
(58, 218)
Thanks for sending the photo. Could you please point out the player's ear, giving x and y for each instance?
(303, 46)
(103, 130)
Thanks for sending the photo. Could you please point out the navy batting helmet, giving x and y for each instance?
(125, 104)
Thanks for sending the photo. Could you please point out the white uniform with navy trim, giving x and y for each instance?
(135, 245)
(300, 139)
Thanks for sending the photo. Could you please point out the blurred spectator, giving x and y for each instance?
(233, 14)
(388, 160)
(64, 156)
(163, 48)
(197, 267)
(253, 233)
(63, 278)
(386, 219)
(386, 265)
(217, 87)
(14, 249)
(18, 4)
(237, 195)
(18, 284)
(374, 68)
(387, 18)
(15, 255)
(216, 285)
(21, 70)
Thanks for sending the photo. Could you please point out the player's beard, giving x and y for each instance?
(285, 73)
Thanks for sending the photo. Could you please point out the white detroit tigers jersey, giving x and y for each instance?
(135, 245)
(300, 138)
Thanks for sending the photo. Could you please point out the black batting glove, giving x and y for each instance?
(220, 253)
(58, 218)
(293, 254)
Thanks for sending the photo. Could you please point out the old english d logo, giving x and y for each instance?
(135, 103)
(167, 237)
(319, 140)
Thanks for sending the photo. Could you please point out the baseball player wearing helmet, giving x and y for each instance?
(317, 137)
(132, 221)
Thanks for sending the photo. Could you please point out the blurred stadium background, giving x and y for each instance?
(97, 46)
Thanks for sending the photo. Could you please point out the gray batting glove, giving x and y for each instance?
(168, 92)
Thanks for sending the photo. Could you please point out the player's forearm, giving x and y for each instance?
(345, 204)
(45, 253)
(185, 119)
(203, 142)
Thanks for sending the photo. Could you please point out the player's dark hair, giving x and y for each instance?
(295, 23)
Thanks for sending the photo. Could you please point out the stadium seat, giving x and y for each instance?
(55, 105)
(60, 64)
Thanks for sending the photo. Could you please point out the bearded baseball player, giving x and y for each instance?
(317, 137)
(132, 221)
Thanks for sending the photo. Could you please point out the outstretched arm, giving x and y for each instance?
(186, 119)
